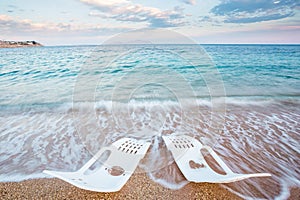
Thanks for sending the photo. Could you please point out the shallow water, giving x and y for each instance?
(55, 103)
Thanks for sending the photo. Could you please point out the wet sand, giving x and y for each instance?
(139, 186)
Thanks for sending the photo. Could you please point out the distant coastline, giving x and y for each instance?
(18, 44)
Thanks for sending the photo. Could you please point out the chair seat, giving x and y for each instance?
(187, 154)
(125, 155)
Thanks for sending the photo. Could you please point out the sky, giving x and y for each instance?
(75, 22)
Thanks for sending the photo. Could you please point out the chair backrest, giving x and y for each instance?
(126, 153)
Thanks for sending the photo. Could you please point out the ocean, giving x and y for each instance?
(59, 105)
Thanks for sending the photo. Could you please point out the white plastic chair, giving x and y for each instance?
(124, 157)
(187, 154)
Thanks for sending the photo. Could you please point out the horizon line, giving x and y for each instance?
(61, 45)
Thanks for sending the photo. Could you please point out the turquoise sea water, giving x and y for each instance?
(244, 100)
(248, 71)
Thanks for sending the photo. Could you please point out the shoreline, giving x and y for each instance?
(139, 186)
(19, 44)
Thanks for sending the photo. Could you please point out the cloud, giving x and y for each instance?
(125, 10)
(211, 19)
(245, 18)
(190, 2)
(10, 26)
(250, 11)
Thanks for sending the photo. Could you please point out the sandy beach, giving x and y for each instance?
(139, 186)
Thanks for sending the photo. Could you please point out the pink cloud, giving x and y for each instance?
(124, 10)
